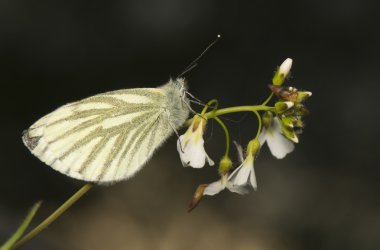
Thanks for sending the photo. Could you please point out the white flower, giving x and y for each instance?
(278, 144)
(218, 186)
(245, 173)
(242, 176)
(191, 145)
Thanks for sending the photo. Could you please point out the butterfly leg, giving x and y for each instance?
(189, 107)
(174, 129)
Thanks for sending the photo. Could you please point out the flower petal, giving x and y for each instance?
(180, 143)
(209, 160)
(192, 154)
(263, 136)
(239, 150)
(278, 144)
(237, 189)
(214, 188)
(252, 179)
(242, 172)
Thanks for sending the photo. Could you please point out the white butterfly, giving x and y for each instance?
(109, 137)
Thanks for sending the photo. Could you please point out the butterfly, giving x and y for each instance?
(110, 136)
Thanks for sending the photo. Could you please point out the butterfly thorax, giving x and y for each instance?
(176, 102)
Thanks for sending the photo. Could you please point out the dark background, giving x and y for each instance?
(325, 195)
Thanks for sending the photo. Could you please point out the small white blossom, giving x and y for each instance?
(218, 186)
(278, 144)
(245, 173)
(191, 145)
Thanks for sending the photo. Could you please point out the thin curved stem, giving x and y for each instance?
(208, 105)
(43, 225)
(260, 123)
(268, 99)
(226, 133)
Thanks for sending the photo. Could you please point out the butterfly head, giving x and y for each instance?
(180, 84)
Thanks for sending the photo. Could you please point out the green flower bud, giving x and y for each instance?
(298, 123)
(291, 122)
(267, 119)
(288, 121)
(303, 95)
(290, 134)
(300, 109)
(282, 106)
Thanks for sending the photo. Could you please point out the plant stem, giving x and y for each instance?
(44, 224)
(236, 109)
(260, 124)
(227, 135)
(268, 99)
(13, 239)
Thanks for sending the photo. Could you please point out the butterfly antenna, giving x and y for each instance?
(193, 64)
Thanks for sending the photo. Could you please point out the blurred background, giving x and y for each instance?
(325, 195)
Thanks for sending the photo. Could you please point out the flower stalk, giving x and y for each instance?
(229, 110)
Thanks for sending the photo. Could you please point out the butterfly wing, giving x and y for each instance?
(103, 138)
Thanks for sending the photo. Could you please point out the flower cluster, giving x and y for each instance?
(282, 127)
(279, 127)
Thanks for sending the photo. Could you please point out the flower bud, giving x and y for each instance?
(288, 121)
(303, 95)
(282, 72)
(281, 106)
(292, 122)
(299, 124)
(290, 134)
(267, 119)
(300, 109)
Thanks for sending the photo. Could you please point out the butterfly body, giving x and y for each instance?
(109, 137)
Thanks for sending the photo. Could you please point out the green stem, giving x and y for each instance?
(226, 133)
(208, 105)
(260, 123)
(43, 225)
(12, 240)
(236, 109)
(268, 99)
